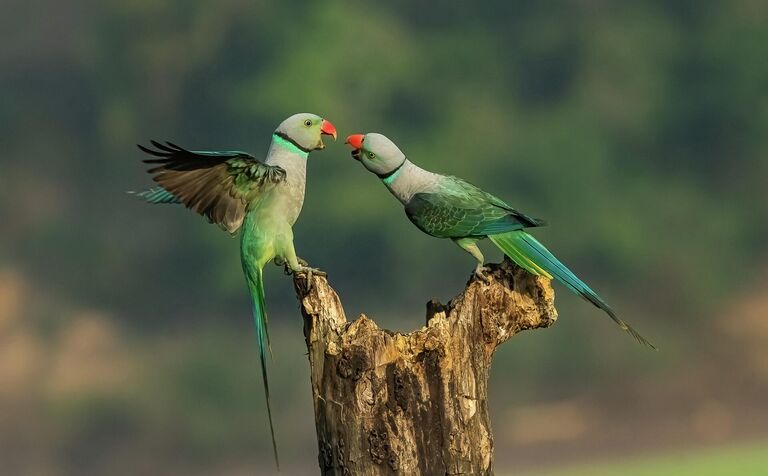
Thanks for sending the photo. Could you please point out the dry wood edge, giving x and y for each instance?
(414, 403)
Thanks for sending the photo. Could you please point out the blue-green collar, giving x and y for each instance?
(390, 177)
(289, 145)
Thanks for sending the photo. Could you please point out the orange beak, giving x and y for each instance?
(355, 140)
(328, 129)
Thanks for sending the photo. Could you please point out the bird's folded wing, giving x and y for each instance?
(217, 185)
(458, 209)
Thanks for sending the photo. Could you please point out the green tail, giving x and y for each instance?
(531, 255)
(256, 287)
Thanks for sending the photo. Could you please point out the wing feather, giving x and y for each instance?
(218, 185)
(458, 209)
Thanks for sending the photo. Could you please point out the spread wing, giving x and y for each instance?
(217, 185)
(458, 209)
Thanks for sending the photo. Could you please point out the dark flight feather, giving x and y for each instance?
(217, 185)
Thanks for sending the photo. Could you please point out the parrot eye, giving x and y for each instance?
(371, 155)
(307, 123)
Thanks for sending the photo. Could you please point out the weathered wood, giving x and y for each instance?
(416, 403)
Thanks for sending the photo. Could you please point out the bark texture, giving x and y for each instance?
(416, 403)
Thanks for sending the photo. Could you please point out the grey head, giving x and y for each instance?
(306, 131)
(377, 153)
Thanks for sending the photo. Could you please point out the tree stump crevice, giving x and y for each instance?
(414, 403)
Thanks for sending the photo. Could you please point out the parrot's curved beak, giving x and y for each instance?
(328, 129)
(356, 142)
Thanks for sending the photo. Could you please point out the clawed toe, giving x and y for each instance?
(310, 272)
(480, 274)
(286, 267)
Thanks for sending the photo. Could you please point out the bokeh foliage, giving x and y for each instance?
(637, 129)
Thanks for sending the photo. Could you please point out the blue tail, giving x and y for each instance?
(531, 255)
(256, 287)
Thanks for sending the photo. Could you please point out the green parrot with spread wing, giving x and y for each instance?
(238, 192)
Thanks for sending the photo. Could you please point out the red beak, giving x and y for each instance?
(355, 140)
(328, 129)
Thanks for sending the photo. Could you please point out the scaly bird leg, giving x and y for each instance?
(279, 261)
(470, 246)
(310, 272)
(295, 265)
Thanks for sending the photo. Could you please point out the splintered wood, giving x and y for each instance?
(416, 403)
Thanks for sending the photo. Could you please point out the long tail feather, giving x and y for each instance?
(256, 287)
(531, 255)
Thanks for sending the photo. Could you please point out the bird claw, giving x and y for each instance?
(310, 272)
(479, 274)
(287, 268)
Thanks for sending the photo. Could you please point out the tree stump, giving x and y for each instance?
(417, 403)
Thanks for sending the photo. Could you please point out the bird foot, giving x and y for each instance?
(287, 267)
(310, 272)
(480, 271)
(282, 262)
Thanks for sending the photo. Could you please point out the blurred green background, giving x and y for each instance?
(637, 129)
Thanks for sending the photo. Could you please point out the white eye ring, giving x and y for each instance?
(307, 123)
(371, 155)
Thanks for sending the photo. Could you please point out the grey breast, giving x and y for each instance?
(290, 194)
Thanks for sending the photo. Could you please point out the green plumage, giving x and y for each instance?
(448, 207)
(237, 192)
(217, 185)
(253, 276)
(531, 255)
(462, 210)
(223, 187)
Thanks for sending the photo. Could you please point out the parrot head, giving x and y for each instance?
(306, 130)
(376, 152)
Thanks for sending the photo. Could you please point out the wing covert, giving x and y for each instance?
(458, 209)
(217, 185)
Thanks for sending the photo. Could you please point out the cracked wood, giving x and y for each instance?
(415, 403)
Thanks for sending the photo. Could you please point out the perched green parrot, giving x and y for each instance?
(236, 191)
(448, 207)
